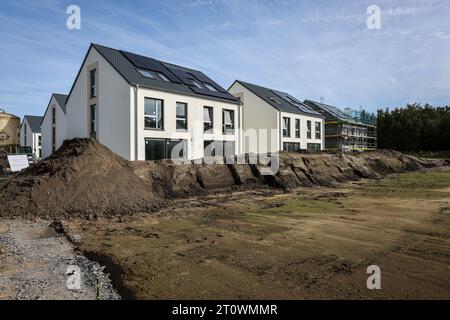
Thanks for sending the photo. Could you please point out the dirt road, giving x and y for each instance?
(34, 263)
(309, 243)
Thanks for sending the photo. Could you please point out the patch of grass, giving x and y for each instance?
(423, 185)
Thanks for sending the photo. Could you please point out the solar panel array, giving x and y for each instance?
(295, 102)
(177, 74)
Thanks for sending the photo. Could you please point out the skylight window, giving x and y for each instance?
(146, 74)
(163, 77)
(198, 85)
(275, 100)
(210, 87)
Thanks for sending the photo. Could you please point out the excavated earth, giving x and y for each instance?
(85, 179)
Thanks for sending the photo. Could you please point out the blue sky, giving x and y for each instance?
(310, 49)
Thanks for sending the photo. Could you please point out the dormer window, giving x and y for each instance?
(210, 87)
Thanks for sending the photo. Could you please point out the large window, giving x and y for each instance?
(318, 130)
(93, 121)
(297, 128)
(314, 146)
(219, 149)
(291, 146)
(158, 149)
(228, 121)
(154, 114)
(309, 130)
(208, 119)
(93, 74)
(182, 116)
(286, 127)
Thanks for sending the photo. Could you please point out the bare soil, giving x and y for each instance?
(309, 243)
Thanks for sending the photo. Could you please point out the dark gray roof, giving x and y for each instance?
(333, 113)
(34, 122)
(61, 99)
(280, 100)
(181, 78)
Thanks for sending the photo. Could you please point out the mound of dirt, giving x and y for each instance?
(83, 178)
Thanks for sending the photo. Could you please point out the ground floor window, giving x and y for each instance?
(219, 148)
(291, 146)
(314, 146)
(158, 149)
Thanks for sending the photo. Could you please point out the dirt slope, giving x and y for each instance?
(85, 179)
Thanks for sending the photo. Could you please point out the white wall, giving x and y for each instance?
(194, 135)
(116, 114)
(113, 94)
(303, 140)
(32, 138)
(46, 128)
(256, 114)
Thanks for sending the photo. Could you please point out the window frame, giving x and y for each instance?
(155, 116)
(318, 130)
(211, 121)
(185, 119)
(225, 130)
(297, 129)
(287, 134)
(93, 83)
(93, 121)
(309, 129)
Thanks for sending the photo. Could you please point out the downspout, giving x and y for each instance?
(136, 135)
(280, 131)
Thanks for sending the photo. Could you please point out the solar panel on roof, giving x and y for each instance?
(213, 93)
(150, 64)
(295, 102)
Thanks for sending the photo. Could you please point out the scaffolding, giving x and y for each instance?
(347, 129)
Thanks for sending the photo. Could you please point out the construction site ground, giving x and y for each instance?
(308, 243)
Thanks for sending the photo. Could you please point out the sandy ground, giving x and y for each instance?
(34, 262)
(309, 243)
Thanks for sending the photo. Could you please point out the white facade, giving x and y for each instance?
(53, 128)
(30, 138)
(119, 109)
(259, 116)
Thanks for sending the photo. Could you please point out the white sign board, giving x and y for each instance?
(18, 163)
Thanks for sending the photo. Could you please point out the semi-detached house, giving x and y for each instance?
(53, 124)
(142, 108)
(290, 125)
(30, 134)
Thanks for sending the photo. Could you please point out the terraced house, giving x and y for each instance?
(30, 134)
(290, 124)
(145, 109)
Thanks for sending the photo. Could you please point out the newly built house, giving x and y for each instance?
(347, 129)
(30, 134)
(289, 124)
(145, 109)
(53, 124)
